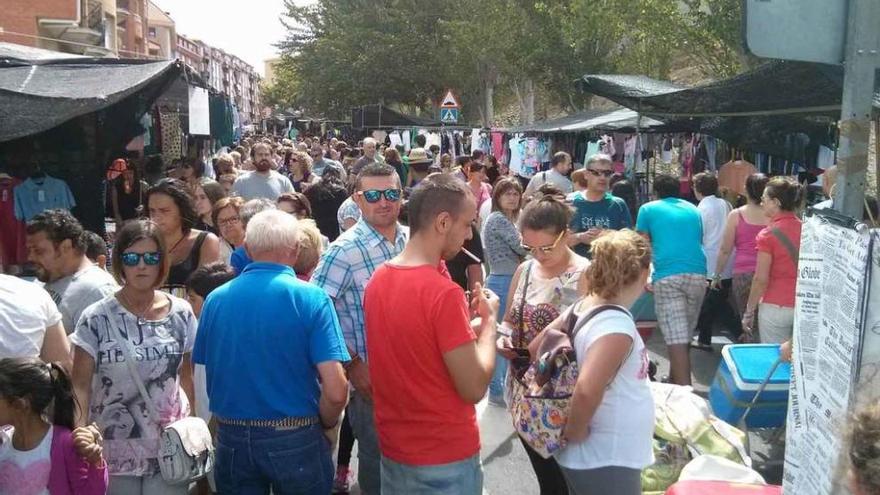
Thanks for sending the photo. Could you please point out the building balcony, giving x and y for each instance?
(98, 51)
(75, 34)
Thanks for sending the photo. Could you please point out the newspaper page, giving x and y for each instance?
(829, 319)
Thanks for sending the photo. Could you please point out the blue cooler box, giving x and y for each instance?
(742, 370)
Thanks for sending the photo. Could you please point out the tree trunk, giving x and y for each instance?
(529, 103)
(489, 94)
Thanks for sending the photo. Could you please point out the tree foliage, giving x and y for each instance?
(344, 53)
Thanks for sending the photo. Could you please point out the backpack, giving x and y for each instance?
(544, 401)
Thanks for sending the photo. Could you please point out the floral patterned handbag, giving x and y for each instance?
(546, 387)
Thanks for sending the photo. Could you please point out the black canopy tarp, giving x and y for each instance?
(774, 88)
(621, 119)
(381, 117)
(73, 115)
(37, 95)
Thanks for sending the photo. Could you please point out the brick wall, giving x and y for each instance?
(21, 16)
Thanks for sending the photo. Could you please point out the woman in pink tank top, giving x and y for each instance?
(740, 233)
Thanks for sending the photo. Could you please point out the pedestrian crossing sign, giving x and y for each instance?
(449, 115)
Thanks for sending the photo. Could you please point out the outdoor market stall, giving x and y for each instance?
(66, 118)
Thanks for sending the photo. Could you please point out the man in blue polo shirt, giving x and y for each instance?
(273, 353)
(675, 229)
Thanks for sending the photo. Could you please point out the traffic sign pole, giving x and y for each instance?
(862, 58)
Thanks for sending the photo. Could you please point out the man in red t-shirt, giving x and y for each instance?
(427, 366)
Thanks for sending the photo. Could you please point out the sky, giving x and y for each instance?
(247, 29)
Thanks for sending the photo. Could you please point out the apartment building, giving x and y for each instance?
(87, 27)
(127, 29)
(225, 73)
(161, 34)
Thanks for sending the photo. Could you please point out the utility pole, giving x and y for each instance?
(862, 58)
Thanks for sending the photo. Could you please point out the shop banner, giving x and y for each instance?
(830, 308)
(199, 113)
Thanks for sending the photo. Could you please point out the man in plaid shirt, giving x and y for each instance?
(343, 272)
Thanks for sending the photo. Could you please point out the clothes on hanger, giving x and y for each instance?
(666, 150)
(516, 147)
(394, 139)
(498, 146)
(825, 157)
(172, 137)
(36, 195)
(12, 230)
(733, 175)
(593, 148)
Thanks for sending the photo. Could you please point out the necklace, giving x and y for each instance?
(142, 314)
(182, 237)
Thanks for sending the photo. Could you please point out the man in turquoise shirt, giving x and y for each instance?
(676, 232)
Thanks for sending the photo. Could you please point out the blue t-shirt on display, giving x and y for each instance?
(261, 363)
(35, 196)
(676, 232)
(240, 259)
(609, 212)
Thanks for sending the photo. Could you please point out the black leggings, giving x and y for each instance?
(550, 477)
(346, 442)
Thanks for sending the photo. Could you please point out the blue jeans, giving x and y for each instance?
(456, 478)
(363, 424)
(253, 461)
(499, 284)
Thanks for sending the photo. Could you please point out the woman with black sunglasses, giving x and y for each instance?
(160, 330)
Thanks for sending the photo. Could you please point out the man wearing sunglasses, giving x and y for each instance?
(320, 162)
(595, 209)
(344, 270)
(560, 166)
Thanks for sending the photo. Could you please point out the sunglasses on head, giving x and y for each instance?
(606, 173)
(545, 249)
(150, 258)
(374, 195)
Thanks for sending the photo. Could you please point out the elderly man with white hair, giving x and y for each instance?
(370, 156)
(273, 353)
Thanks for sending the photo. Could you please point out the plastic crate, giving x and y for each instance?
(742, 370)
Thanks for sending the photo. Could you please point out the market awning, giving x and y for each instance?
(37, 95)
(382, 117)
(774, 88)
(622, 119)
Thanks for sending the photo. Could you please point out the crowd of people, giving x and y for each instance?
(319, 294)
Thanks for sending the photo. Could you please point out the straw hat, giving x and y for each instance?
(418, 156)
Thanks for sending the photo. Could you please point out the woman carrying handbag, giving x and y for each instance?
(542, 289)
(159, 330)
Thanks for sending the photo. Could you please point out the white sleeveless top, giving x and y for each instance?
(622, 428)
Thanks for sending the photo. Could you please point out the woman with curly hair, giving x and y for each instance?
(541, 289)
(610, 429)
(301, 175)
